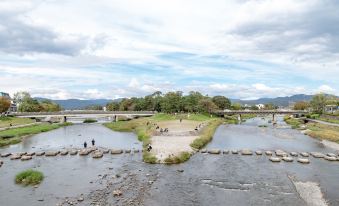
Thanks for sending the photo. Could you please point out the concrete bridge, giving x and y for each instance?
(63, 115)
(260, 112)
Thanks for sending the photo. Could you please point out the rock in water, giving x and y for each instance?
(304, 154)
(117, 193)
(84, 152)
(294, 154)
(235, 151)
(97, 154)
(258, 152)
(73, 152)
(26, 157)
(5, 154)
(246, 152)
(127, 151)
(30, 153)
(269, 153)
(116, 151)
(15, 156)
(136, 151)
(287, 159)
(214, 151)
(281, 153)
(331, 155)
(51, 153)
(225, 151)
(203, 150)
(40, 153)
(275, 159)
(317, 155)
(65, 152)
(105, 151)
(330, 158)
(303, 160)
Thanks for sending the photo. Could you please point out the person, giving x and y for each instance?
(93, 142)
(10, 124)
(85, 144)
(149, 147)
(180, 120)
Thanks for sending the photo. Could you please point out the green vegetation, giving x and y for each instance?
(183, 157)
(14, 136)
(29, 177)
(206, 134)
(90, 120)
(4, 104)
(322, 131)
(335, 121)
(295, 123)
(29, 104)
(148, 157)
(7, 121)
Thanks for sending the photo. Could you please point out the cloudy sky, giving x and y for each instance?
(89, 49)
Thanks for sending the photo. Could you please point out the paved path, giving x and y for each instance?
(323, 122)
(19, 126)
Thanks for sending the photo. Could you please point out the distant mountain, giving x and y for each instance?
(72, 104)
(279, 101)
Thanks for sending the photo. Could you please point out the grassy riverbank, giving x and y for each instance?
(144, 131)
(206, 134)
(14, 136)
(15, 121)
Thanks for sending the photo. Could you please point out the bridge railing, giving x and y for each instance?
(84, 112)
(261, 112)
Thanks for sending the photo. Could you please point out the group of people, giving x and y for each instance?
(85, 143)
(157, 127)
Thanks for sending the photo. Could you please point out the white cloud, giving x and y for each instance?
(326, 89)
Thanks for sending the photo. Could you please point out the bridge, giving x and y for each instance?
(63, 115)
(259, 112)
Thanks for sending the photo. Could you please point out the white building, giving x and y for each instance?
(260, 106)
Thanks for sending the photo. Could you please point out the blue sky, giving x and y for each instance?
(109, 49)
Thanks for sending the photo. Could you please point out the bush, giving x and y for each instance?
(90, 120)
(29, 177)
(183, 157)
(315, 116)
(149, 158)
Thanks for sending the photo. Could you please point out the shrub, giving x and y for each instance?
(90, 120)
(149, 158)
(29, 177)
(183, 157)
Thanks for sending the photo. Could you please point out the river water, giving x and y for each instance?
(204, 180)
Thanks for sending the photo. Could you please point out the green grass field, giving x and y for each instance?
(6, 121)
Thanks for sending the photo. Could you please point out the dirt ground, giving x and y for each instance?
(176, 140)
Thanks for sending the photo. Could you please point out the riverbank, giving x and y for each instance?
(174, 146)
(15, 135)
(14, 121)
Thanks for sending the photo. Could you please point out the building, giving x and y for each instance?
(13, 107)
(260, 106)
(331, 108)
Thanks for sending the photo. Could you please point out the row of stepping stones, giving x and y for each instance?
(280, 155)
(96, 153)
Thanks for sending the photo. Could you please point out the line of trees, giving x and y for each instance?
(317, 103)
(28, 104)
(172, 102)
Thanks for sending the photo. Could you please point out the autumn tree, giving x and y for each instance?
(5, 103)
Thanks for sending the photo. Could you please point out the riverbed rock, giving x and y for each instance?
(64, 152)
(84, 152)
(40, 153)
(294, 154)
(304, 154)
(22, 153)
(136, 151)
(97, 154)
(73, 152)
(203, 150)
(269, 153)
(281, 153)
(235, 151)
(303, 160)
(225, 151)
(117, 193)
(246, 152)
(275, 159)
(331, 154)
(51, 153)
(26, 157)
(317, 155)
(329, 158)
(6, 154)
(214, 151)
(15, 156)
(105, 151)
(80, 199)
(258, 152)
(116, 151)
(30, 153)
(127, 151)
(287, 159)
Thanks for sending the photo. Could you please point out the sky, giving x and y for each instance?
(87, 49)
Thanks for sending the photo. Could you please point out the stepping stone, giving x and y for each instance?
(303, 160)
(116, 151)
(26, 157)
(65, 152)
(97, 154)
(225, 151)
(214, 151)
(269, 153)
(331, 155)
(246, 152)
(136, 151)
(22, 153)
(5, 154)
(330, 158)
(51, 153)
(105, 151)
(258, 152)
(40, 153)
(304, 154)
(275, 159)
(127, 151)
(84, 152)
(280, 153)
(203, 150)
(15, 156)
(73, 152)
(287, 159)
(235, 151)
(317, 155)
(30, 153)
(294, 154)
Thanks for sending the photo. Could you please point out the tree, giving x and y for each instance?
(236, 106)
(318, 103)
(270, 106)
(127, 105)
(207, 105)
(254, 107)
(222, 102)
(5, 103)
(191, 101)
(171, 102)
(94, 107)
(112, 106)
(19, 97)
(301, 105)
